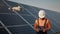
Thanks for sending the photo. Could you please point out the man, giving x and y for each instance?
(42, 24)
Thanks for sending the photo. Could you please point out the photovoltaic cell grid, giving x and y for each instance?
(14, 20)
(16, 25)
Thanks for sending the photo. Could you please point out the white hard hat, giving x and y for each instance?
(41, 14)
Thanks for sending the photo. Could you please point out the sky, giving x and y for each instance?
(45, 4)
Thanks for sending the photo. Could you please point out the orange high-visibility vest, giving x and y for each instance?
(41, 23)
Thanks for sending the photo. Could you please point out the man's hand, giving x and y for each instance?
(44, 30)
(37, 30)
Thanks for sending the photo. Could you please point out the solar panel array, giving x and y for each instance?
(22, 22)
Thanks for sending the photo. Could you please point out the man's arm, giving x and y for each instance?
(48, 25)
(36, 26)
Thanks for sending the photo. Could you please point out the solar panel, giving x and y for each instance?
(21, 22)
